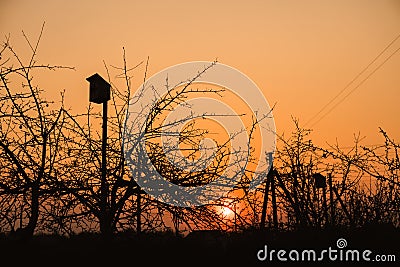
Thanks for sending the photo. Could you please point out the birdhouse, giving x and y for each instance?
(320, 180)
(99, 91)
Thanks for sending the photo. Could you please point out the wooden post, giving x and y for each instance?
(103, 186)
(138, 214)
(324, 206)
(274, 207)
(343, 205)
(331, 202)
(235, 226)
(265, 202)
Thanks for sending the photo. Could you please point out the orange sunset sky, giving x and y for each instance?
(300, 53)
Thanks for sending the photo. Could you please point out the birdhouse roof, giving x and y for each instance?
(97, 79)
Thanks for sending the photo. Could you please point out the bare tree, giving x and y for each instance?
(51, 160)
(30, 129)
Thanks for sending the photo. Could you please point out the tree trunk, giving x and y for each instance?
(274, 206)
(106, 225)
(26, 233)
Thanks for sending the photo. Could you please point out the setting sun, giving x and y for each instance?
(226, 212)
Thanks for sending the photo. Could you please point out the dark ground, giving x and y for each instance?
(208, 248)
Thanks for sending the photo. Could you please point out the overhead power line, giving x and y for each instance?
(355, 88)
(352, 82)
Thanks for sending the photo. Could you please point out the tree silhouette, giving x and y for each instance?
(30, 131)
(50, 158)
